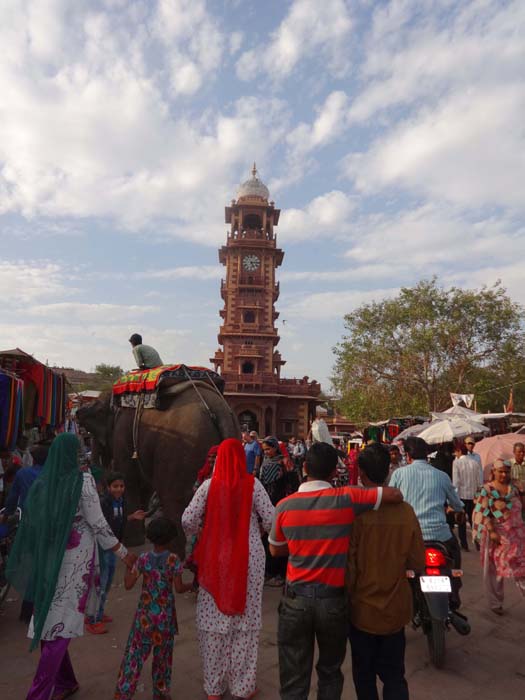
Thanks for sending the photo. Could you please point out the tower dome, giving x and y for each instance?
(253, 187)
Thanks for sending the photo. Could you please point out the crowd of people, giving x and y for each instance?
(289, 515)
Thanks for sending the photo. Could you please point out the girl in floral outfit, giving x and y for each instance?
(155, 623)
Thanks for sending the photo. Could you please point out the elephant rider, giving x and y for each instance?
(145, 356)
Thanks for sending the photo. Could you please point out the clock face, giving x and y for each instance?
(251, 263)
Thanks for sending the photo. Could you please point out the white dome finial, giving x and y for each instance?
(253, 187)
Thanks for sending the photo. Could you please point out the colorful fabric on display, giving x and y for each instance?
(11, 410)
(222, 550)
(148, 380)
(49, 407)
(41, 540)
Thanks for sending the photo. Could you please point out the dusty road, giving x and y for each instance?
(488, 665)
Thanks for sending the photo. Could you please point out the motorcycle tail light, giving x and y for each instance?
(433, 557)
(432, 571)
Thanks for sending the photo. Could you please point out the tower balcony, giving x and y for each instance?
(299, 387)
(251, 235)
(276, 291)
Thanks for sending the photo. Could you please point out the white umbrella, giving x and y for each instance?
(449, 429)
(460, 411)
(412, 431)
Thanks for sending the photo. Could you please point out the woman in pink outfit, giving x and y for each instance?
(499, 527)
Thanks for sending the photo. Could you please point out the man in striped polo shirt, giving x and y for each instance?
(313, 528)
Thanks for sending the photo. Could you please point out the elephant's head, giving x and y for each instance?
(97, 418)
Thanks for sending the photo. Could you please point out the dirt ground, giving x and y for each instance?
(487, 665)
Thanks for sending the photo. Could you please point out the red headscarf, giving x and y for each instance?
(206, 469)
(222, 550)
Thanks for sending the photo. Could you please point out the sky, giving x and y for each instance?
(390, 134)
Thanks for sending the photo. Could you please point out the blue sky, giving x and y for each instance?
(390, 134)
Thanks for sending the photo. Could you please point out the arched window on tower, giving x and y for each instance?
(247, 368)
(252, 222)
(248, 317)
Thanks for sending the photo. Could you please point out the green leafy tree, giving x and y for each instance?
(108, 374)
(405, 355)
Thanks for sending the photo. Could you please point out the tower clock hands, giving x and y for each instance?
(251, 263)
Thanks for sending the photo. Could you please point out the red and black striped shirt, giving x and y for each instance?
(316, 523)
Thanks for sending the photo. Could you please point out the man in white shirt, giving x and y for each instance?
(319, 431)
(467, 477)
(469, 444)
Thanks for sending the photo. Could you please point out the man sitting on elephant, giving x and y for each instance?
(145, 356)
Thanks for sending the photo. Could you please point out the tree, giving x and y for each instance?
(108, 375)
(403, 356)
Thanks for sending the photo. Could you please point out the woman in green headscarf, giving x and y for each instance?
(54, 562)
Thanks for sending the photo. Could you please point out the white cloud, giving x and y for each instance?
(92, 132)
(419, 48)
(91, 313)
(510, 275)
(433, 240)
(236, 40)
(329, 124)
(443, 84)
(362, 273)
(468, 151)
(326, 215)
(24, 282)
(69, 343)
(310, 28)
(332, 305)
(195, 272)
(193, 40)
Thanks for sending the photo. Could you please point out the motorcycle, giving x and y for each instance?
(7, 537)
(432, 612)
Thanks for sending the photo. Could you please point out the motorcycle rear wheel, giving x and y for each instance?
(436, 643)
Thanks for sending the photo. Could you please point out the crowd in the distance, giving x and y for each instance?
(261, 511)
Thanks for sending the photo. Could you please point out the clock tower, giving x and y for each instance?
(249, 360)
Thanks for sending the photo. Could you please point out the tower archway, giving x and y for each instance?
(248, 421)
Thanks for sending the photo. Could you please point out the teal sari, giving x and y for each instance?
(38, 551)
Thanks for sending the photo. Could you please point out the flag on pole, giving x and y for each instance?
(466, 399)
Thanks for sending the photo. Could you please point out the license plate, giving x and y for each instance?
(435, 584)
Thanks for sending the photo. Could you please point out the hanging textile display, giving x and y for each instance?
(11, 410)
(44, 390)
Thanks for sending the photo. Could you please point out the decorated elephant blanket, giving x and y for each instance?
(147, 383)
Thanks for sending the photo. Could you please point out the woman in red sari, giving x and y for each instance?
(230, 557)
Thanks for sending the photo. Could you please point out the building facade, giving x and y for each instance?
(248, 358)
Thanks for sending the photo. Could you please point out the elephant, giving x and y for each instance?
(171, 444)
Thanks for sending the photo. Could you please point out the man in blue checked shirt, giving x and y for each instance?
(428, 490)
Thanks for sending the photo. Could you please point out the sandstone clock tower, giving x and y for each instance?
(249, 361)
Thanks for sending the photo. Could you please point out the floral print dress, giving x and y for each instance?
(78, 586)
(154, 626)
(506, 513)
